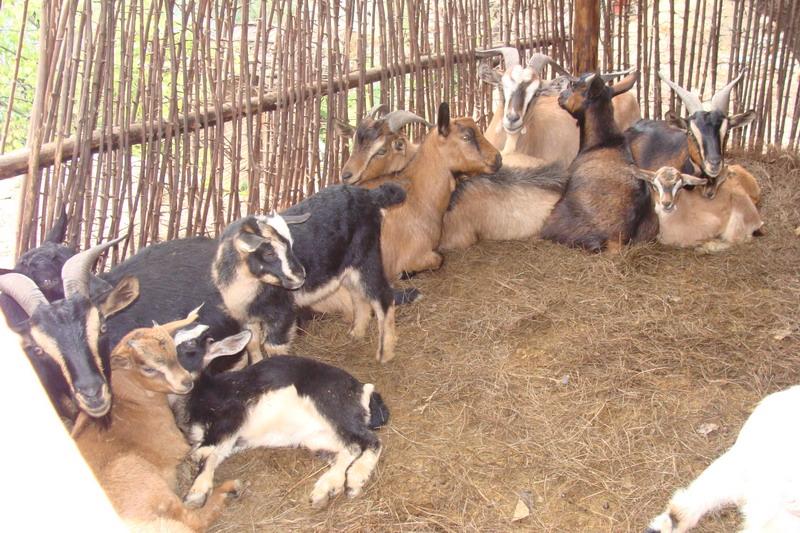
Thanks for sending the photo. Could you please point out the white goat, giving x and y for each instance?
(760, 474)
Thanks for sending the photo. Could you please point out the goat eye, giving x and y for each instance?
(38, 351)
(149, 371)
(103, 328)
(382, 151)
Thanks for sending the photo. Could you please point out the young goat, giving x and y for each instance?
(135, 459)
(287, 401)
(530, 116)
(688, 218)
(760, 474)
(604, 204)
(411, 231)
(264, 270)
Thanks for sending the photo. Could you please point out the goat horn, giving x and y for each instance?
(509, 53)
(690, 99)
(377, 111)
(75, 271)
(397, 119)
(608, 76)
(175, 325)
(721, 99)
(23, 290)
(538, 61)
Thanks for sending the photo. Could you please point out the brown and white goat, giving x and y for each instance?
(135, 459)
(689, 219)
(531, 111)
(605, 205)
(412, 230)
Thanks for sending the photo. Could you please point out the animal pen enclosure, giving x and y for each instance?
(573, 382)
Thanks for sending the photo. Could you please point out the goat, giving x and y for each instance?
(605, 204)
(66, 340)
(411, 231)
(380, 149)
(689, 219)
(43, 265)
(760, 474)
(136, 457)
(264, 270)
(531, 113)
(706, 132)
(511, 203)
(287, 401)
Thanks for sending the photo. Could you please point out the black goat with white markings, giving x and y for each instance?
(287, 401)
(264, 270)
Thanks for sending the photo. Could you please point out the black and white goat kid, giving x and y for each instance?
(264, 270)
(287, 401)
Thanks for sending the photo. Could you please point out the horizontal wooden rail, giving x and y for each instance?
(16, 162)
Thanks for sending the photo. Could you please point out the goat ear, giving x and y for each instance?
(120, 297)
(443, 120)
(59, 229)
(296, 219)
(742, 119)
(120, 361)
(489, 75)
(343, 128)
(673, 119)
(645, 175)
(248, 243)
(625, 84)
(689, 179)
(227, 346)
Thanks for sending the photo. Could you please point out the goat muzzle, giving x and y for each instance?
(95, 402)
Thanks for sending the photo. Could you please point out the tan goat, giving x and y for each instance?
(689, 219)
(135, 459)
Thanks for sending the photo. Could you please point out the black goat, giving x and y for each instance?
(605, 203)
(287, 401)
(264, 270)
(66, 340)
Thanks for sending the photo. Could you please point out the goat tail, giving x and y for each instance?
(406, 296)
(387, 195)
(378, 412)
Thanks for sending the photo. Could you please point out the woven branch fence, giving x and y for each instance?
(172, 118)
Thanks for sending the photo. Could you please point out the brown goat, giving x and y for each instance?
(689, 219)
(411, 230)
(605, 204)
(135, 459)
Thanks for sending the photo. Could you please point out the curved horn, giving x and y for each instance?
(538, 61)
(397, 119)
(23, 290)
(75, 271)
(377, 111)
(509, 53)
(721, 99)
(690, 100)
(608, 76)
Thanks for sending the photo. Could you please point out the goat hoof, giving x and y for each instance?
(236, 488)
(195, 500)
(661, 524)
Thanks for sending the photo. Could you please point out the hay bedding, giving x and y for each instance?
(582, 381)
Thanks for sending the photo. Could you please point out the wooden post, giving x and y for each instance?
(586, 35)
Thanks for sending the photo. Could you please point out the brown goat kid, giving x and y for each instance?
(689, 219)
(411, 230)
(605, 204)
(135, 459)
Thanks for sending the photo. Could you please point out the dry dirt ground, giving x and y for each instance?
(578, 379)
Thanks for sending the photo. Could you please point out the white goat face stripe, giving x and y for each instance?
(279, 224)
(185, 335)
(281, 250)
(723, 131)
(699, 138)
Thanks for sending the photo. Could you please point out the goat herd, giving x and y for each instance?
(578, 167)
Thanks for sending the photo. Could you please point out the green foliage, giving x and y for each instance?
(10, 23)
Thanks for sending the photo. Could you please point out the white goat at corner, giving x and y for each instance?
(760, 474)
